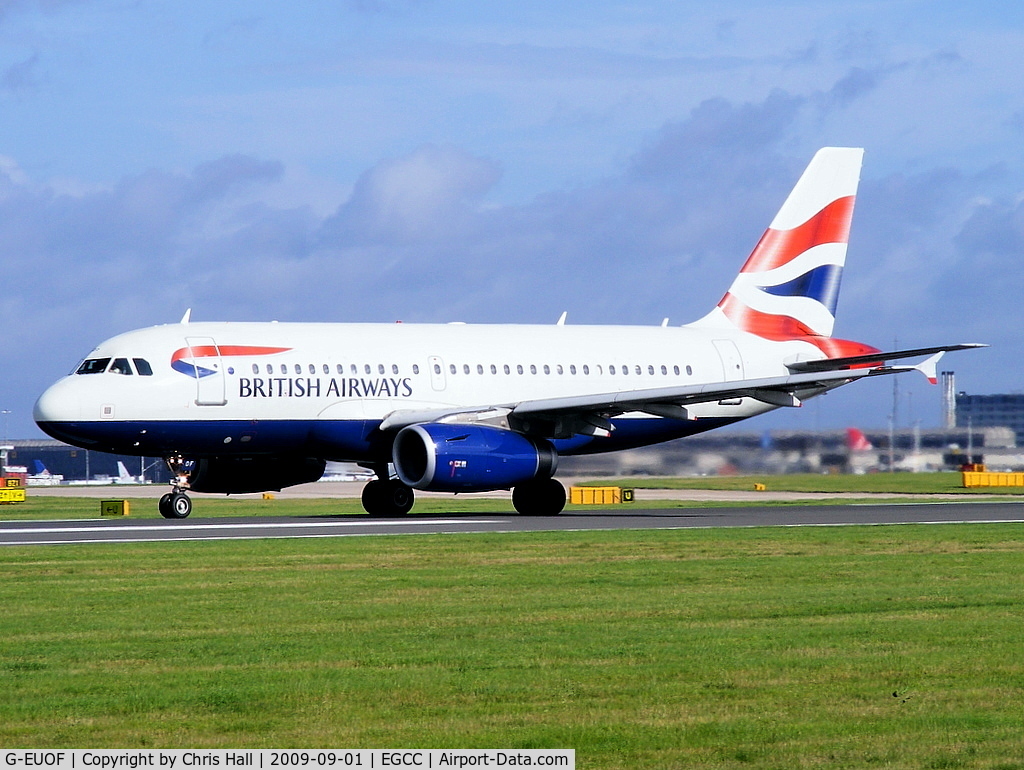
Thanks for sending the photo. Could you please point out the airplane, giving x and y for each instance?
(856, 441)
(250, 407)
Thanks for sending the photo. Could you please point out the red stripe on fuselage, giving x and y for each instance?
(782, 328)
(203, 351)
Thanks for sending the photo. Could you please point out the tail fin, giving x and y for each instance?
(856, 441)
(789, 286)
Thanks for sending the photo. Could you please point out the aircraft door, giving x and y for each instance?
(732, 362)
(436, 365)
(209, 371)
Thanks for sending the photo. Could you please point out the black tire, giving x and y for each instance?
(178, 505)
(540, 497)
(399, 497)
(387, 498)
(371, 497)
(165, 506)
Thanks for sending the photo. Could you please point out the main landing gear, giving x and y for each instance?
(387, 497)
(176, 504)
(390, 497)
(540, 497)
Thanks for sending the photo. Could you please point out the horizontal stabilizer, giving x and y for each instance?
(849, 362)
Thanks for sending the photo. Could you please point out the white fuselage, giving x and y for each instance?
(225, 384)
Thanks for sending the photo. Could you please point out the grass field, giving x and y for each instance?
(896, 647)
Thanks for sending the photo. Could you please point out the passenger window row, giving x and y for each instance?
(284, 369)
(558, 369)
(381, 369)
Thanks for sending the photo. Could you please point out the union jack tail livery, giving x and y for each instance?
(789, 286)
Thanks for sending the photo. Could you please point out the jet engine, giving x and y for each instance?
(443, 457)
(237, 475)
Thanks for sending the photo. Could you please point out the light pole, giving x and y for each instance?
(5, 447)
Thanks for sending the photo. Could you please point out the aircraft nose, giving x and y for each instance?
(59, 403)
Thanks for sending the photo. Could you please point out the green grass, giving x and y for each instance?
(896, 647)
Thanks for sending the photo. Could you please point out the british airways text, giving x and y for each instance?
(317, 387)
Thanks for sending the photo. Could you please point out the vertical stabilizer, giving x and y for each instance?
(789, 286)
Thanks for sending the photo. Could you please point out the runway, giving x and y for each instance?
(265, 527)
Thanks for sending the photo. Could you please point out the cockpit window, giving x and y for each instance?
(93, 366)
(142, 367)
(121, 366)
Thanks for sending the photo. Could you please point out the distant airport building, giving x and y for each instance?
(1001, 409)
(46, 456)
(948, 400)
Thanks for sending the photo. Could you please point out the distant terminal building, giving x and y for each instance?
(75, 464)
(1000, 409)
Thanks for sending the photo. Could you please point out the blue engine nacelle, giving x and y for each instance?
(441, 457)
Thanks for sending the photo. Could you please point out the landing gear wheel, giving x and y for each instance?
(175, 505)
(540, 497)
(387, 498)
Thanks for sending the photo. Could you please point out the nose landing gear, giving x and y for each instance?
(176, 504)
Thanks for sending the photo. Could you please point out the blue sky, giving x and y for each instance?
(502, 162)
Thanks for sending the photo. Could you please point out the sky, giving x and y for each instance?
(436, 160)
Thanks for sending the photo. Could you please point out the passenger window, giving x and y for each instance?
(572, 368)
(452, 369)
(465, 368)
(558, 369)
(93, 366)
(494, 369)
(664, 369)
(415, 368)
(611, 368)
(547, 369)
(479, 368)
(298, 368)
(353, 368)
(121, 366)
(367, 369)
(327, 369)
(394, 368)
(380, 368)
(519, 368)
(270, 368)
(689, 369)
(341, 368)
(675, 369)
(638, 369)
(507, 370)
(142, 367)
(437, 368)
(255, 369)
(625, 369)
(650, 368)
(533, 368)
(586, 369)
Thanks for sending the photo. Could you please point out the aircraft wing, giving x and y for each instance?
(590, 413)
(832, 364)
